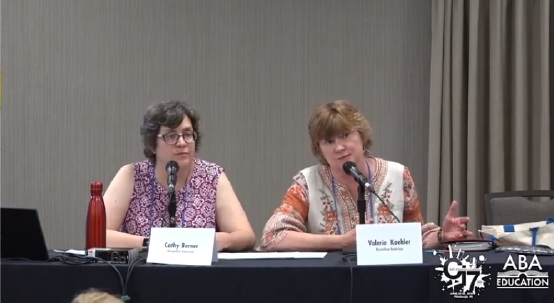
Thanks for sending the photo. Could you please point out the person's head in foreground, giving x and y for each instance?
(96, 296)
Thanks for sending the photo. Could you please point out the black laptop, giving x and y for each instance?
(21, 235)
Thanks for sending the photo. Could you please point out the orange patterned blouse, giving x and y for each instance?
(313, 205)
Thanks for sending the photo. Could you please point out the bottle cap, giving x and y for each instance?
(96, 188)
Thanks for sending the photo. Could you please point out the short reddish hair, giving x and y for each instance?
(334, 118)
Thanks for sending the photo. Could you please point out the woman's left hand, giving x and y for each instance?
(454, 228)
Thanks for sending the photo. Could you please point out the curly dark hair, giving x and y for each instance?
(169, 114)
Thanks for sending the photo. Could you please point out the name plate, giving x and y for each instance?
(384, 244)
(182, 246)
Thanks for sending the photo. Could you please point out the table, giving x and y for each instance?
(332, 279)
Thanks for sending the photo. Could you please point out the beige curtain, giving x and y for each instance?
(491, 122)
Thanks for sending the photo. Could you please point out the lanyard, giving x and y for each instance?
(152, 202)
(333, 185)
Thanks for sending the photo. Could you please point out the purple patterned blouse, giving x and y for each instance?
(149, 202)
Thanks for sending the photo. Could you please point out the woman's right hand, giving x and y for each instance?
(349, 238)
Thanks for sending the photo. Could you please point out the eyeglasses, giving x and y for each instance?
(172, 138)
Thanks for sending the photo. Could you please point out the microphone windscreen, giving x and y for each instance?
(172, 166)
(347, 166)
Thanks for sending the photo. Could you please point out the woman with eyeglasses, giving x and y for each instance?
(137, 198)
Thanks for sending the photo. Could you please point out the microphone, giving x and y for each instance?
(372, 190)
(350, 168)
(171, 168)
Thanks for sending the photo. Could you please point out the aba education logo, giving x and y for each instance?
(462, 276)
(522, 274)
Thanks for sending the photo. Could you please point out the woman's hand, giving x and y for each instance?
(349, 238)
(454, 228)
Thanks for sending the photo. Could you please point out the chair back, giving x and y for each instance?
(517, 207)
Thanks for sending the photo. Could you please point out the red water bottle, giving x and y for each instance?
(96, 218)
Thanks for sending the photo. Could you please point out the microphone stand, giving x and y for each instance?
(361, 203)
(172, 208)
(362, 208)
(172, 168)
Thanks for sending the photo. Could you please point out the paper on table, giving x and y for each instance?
(271, 255)
(71, 251)
(243, 256)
